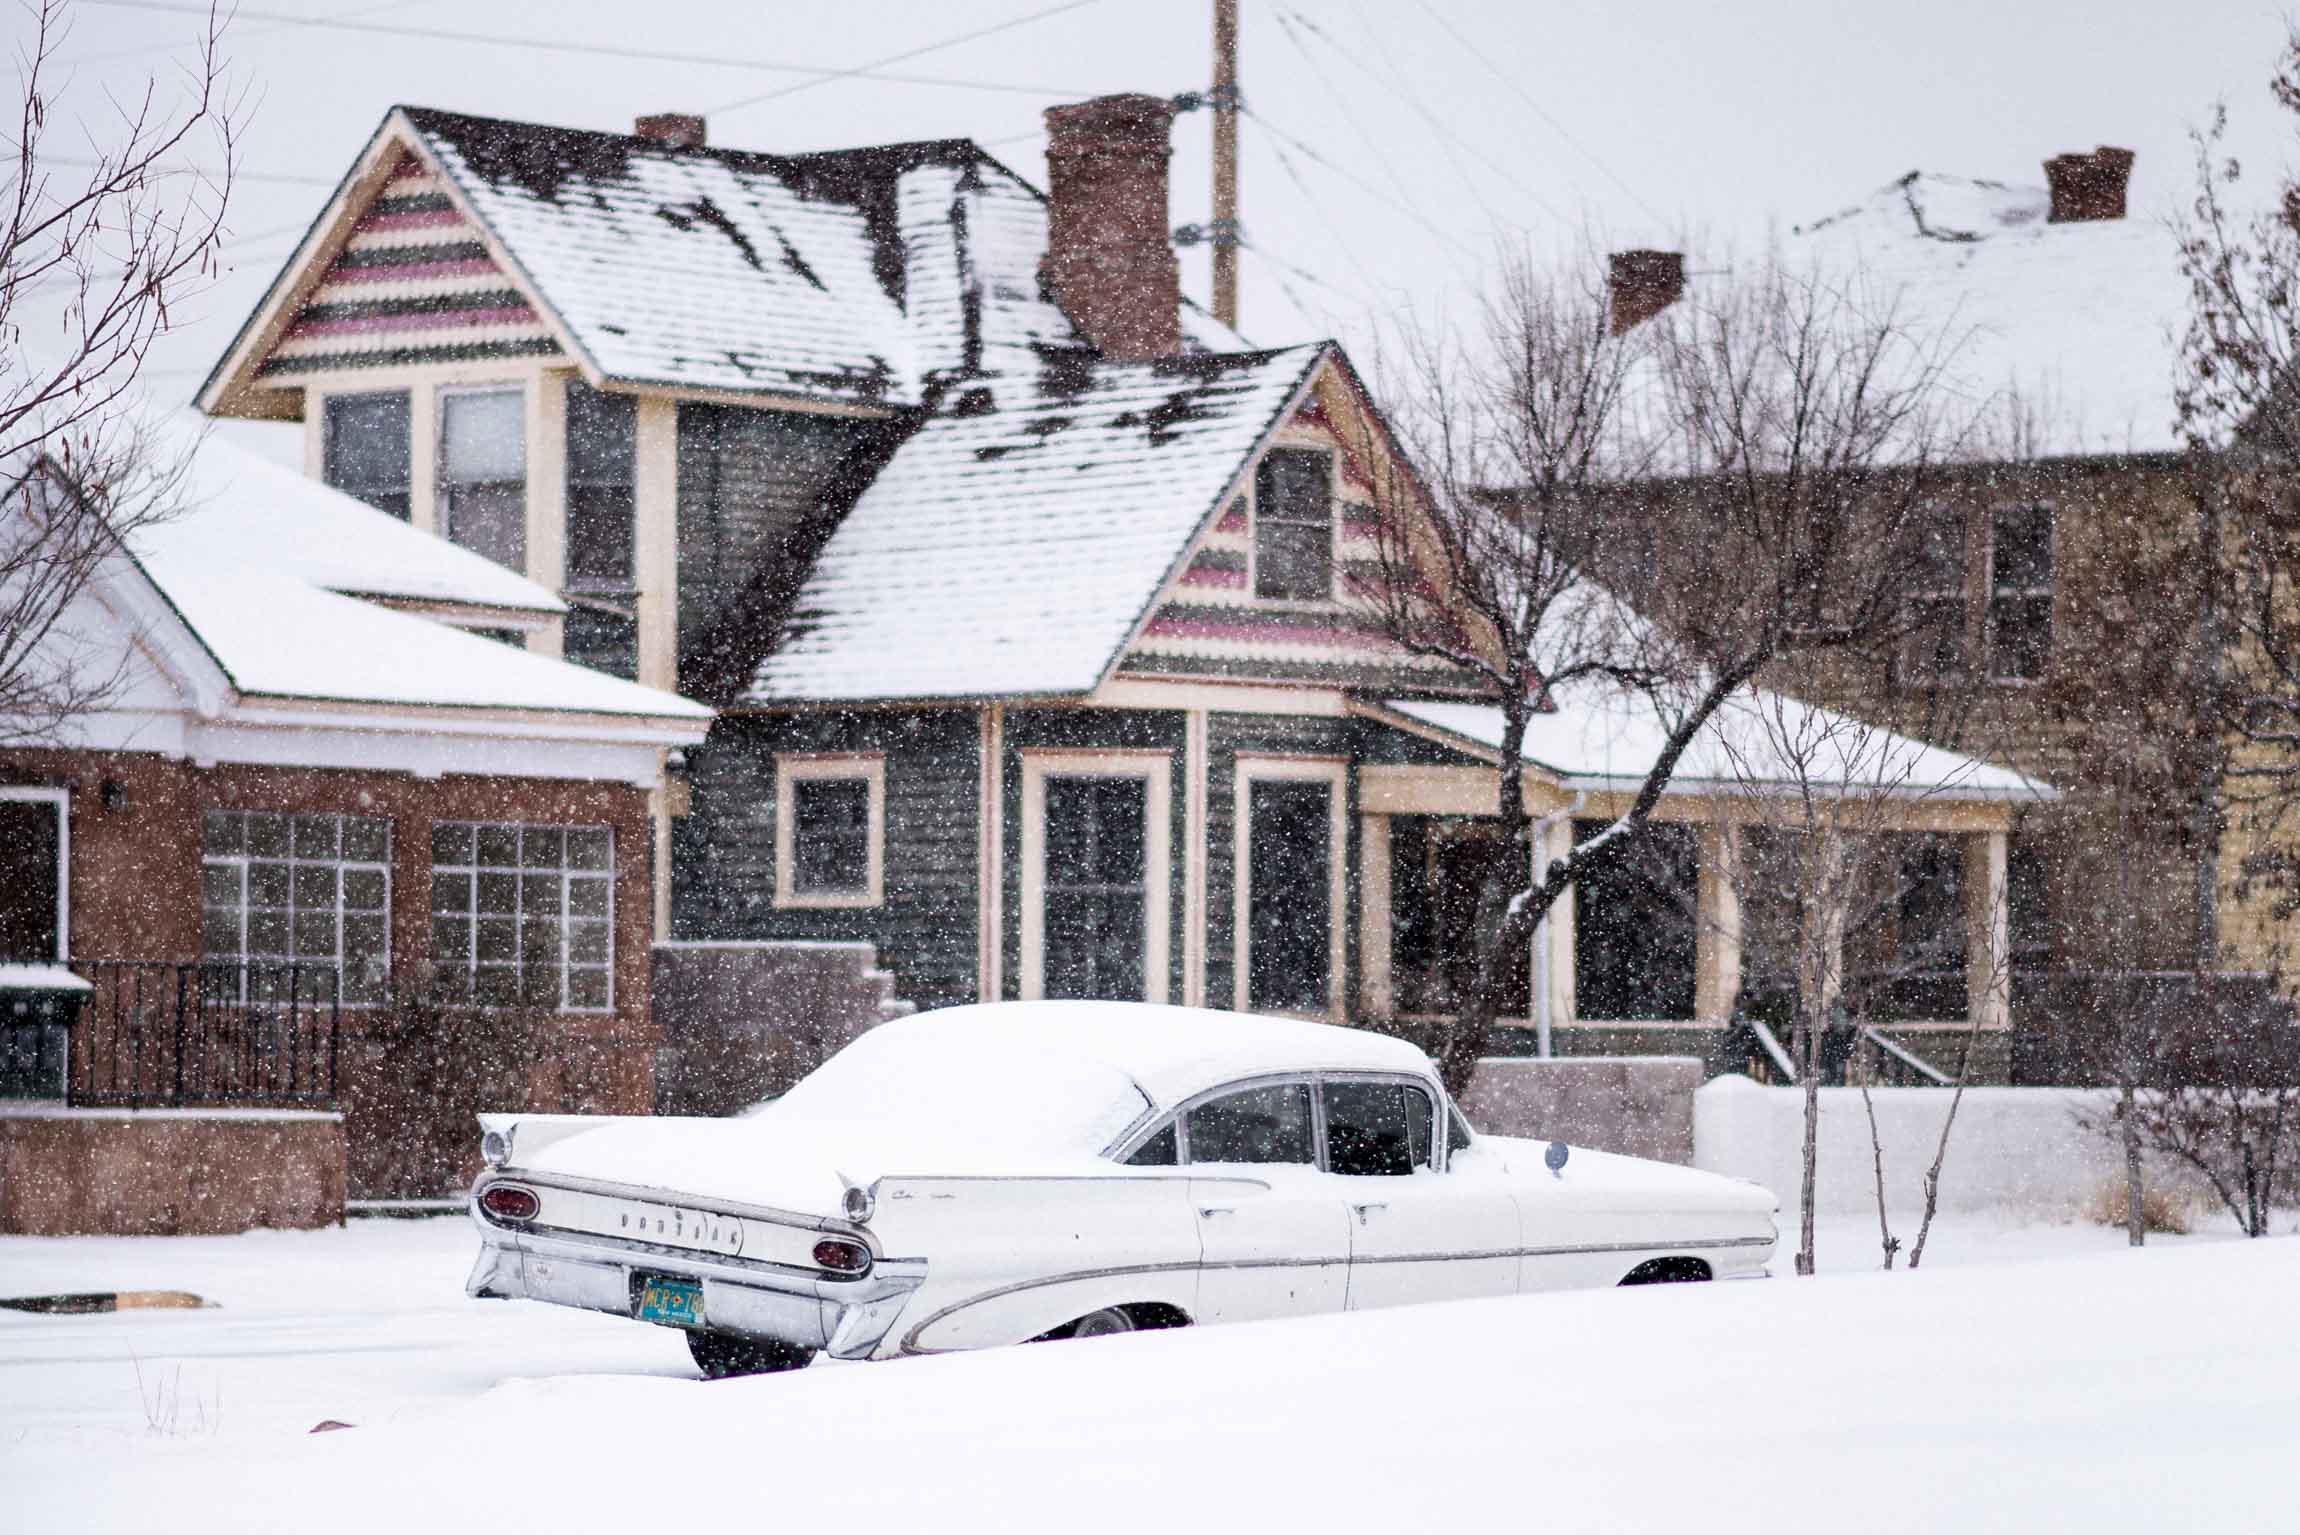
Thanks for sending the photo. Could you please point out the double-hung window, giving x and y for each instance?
(2020, 593)
(1933, 649)
(301, 895)
(523, 915)
(33, 879)
(366, 450)
(602, 452)
(1294, 525)
(483, 473)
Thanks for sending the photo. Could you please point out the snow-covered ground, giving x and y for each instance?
(2031, 1377)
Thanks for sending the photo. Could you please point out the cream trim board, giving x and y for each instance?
(990, 857)
(1195, 754)
(62, 799)
(1156, 769)
(792, 768)
(1334, 772)
(1214, 697)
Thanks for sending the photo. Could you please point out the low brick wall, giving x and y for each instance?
(167, 1172)
(1641, 1106)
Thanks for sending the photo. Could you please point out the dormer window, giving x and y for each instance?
(1294, 525)
(483, 473)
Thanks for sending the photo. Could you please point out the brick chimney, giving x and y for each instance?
(1109, 261)
(1643, 284)
(672, 130)
(2086, 188)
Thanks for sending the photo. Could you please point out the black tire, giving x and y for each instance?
(719, 1355)
(1669, 1271)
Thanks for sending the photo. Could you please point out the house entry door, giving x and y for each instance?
(1097, 893)
(1289, 907)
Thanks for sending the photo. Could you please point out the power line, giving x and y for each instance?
(1437, 126)
(1334, 92)
(284, 177)
(1356, 180)
(869, 69)
(1541, 111)
(76, 60)
(602, 50)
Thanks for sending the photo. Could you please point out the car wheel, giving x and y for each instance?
(1102, 1324)
(1669, 1271)
(719, 1355)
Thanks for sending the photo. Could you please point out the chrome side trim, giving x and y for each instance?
(659, 1196)
(910, 1343)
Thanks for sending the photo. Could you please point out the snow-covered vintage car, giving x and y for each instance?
(1018, 1171)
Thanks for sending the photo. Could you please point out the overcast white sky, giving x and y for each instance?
(1392, 144)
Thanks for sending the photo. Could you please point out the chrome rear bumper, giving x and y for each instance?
(845, 1318)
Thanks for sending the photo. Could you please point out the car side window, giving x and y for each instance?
(1158, 1151)
(1260, 1124)
(1456, 1130)
(1376, 1129)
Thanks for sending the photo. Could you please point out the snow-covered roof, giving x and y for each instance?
(249, 510)
(257, 564)
(1603, 738)
(1010, 545)
(2079, 320)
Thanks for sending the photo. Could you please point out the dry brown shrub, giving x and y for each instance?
(2163, 1211)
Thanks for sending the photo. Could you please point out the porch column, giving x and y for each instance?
(655, 571)
(1195, 756)
(1988, 932)
(1717, 930)
(1376, 997)
(1554, 967)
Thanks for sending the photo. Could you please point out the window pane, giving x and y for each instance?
(450, 843)
(601, 457)
(366, 839)
(363, 889)
(483, 437)
(1158, 1151)
(489, 520)
(30, 908)
(1372, 1129)
(268, 934)
(830, 830)
(268, 835)
(588, 989)
(1294, 485)
(2021, 556)
(223, 832)
(499, 846)
(450, 892)
(587, 847)
(2023, 637)
(367, 450)
(267, 884)
(1293, 525)
(1293, 561)
(587, 897)
(1262, 1124)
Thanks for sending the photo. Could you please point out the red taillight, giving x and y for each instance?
(842, 1257)
(510, 1202)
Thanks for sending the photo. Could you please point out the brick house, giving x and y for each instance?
(324, 780)
(1024, 590)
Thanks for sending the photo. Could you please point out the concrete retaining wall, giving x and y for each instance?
(167, 1172)
(2014, 1150)
(1639, 1105)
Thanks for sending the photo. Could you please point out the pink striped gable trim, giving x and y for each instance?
(477, 266)
(1204, 575)
(447, 319)
(1169, 627)
(421, 218)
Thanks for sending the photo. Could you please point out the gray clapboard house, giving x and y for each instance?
(1024, 589)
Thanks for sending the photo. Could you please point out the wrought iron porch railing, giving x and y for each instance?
(206, 1035)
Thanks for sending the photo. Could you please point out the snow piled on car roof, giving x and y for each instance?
(1003, 1088)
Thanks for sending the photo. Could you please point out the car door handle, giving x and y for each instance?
(1210, 1211)
(1366, 1210)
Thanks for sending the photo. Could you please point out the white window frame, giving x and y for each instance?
(241, 860)
(62, 800)
(1335, 773)
(1156, 769)
(565, 918)
(1253, 500)
(801, 767)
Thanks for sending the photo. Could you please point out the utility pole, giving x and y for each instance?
(1224, 99)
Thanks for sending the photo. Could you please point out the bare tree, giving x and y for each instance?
(106, 253)
(1745, 469)
(1818, 800)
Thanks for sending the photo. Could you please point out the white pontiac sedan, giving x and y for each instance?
(1021, 1171)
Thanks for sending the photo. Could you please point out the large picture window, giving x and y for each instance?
(830, 829)
(1294, 524)
(308, 891)
(523, 915)
(366, 452)
(483, 473)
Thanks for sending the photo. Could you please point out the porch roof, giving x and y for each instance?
(1601, 738)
